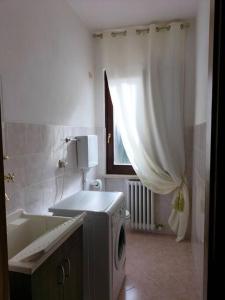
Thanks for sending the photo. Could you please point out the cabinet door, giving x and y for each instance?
(48, 280)
(73, 265)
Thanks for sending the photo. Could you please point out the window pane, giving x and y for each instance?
(120, 156)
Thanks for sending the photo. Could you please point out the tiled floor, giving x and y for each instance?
(158, 268)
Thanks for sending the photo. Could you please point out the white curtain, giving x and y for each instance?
(146, 81)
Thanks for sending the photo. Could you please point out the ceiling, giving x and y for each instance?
(106, 14)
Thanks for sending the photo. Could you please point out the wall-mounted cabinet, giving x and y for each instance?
(60, 277)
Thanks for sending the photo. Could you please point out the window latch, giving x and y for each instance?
(109, 138)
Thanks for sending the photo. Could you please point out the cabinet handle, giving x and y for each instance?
(61, 275)
(67, 267)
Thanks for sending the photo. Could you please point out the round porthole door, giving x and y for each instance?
(120, 245)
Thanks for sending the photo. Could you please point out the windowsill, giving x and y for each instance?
(117, 176)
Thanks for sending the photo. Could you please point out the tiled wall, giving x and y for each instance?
(198, 200)
(34, 152)
(189, 171)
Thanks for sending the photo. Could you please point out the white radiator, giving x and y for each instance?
(140, 203)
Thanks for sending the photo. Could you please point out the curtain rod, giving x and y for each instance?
(141, 30)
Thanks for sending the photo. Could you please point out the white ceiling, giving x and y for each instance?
(106, 14)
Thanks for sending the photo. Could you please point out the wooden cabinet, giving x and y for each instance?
(60, 277)
(73, 282)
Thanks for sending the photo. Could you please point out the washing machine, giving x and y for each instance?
(104, 240)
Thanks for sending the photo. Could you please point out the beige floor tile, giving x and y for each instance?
(158, 268)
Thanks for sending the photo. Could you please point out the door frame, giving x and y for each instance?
(4, 285)
(215, 246)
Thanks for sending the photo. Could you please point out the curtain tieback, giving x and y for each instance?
(179, 201)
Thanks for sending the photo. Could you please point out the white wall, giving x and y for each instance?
(202, 100)
(190, 67)
(45, 60)
(46, 66)
(202, 57)
(201, 144)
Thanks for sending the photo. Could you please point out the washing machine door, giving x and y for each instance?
(120, 245)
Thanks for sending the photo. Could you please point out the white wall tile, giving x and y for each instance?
(34, 154)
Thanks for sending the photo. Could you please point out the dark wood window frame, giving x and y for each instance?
(111, 168)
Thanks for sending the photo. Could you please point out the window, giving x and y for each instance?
(117, 161)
